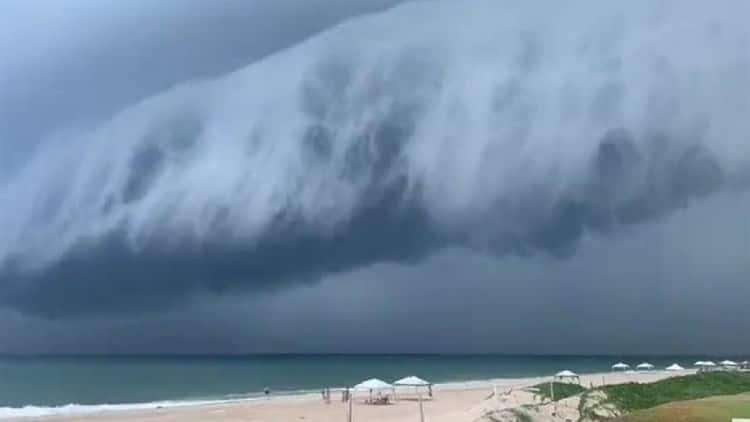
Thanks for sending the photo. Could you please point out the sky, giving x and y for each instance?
(374, 176)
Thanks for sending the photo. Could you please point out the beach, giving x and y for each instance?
(455, 402)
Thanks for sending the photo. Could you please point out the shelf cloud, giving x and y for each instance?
(512, 129)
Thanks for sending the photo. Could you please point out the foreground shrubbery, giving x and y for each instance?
(562, 390)
(668, 400)
(717, 409)
(632, 396)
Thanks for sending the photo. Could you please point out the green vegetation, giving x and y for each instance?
(630, 397)
(562, 390)
(716, 409)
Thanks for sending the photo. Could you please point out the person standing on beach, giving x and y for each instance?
(267, 392)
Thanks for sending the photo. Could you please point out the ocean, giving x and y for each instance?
(44, 385)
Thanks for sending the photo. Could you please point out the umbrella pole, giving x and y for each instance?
(421, 409)
(552, 390)
(349, 410)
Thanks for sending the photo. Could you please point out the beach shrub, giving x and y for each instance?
(562, 390)
(634, 396)
(716, 409)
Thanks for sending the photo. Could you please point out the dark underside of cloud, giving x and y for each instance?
(106, 275)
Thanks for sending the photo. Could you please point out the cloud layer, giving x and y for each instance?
(498, 126)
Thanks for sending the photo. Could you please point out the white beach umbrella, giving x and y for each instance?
(675, 367)
(373, 384)
(412, 382)
(645, 366)
(709, 363)
(620, 366)
(566, 374)
(700, 363)
(728, 363)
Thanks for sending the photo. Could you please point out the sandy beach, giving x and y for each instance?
(455, 402)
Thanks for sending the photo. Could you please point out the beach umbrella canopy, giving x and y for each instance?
(709, 363)
(621, 365)
(645, 365)
(700, 363)
(566, 374)
(372, 384)
(412, 382)
(674, 367)
(728, 363)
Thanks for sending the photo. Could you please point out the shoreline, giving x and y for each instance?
(470, 391)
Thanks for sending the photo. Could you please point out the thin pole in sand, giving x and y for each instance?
(552, 390)
(421, 409)
(552, 396)
(349, 410)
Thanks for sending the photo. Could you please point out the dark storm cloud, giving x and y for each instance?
(654, 289)
(106, 275)
(382, 141)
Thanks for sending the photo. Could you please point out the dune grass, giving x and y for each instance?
(632, 396)
(715, 409)
(562, 390)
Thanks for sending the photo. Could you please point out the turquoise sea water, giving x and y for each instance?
(94, 380)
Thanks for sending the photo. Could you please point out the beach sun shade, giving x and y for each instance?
(373, 384)
(645, 366)
(620, 365)
(566, 374)
(674, 367)
(708, 363)
(728, 363)
(412, 382)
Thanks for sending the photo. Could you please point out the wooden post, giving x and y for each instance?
(349, 411)
(552, 390)
(552, 396)
(421, 409)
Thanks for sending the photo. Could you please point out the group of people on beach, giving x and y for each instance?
(326, 394)
(345, 394)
